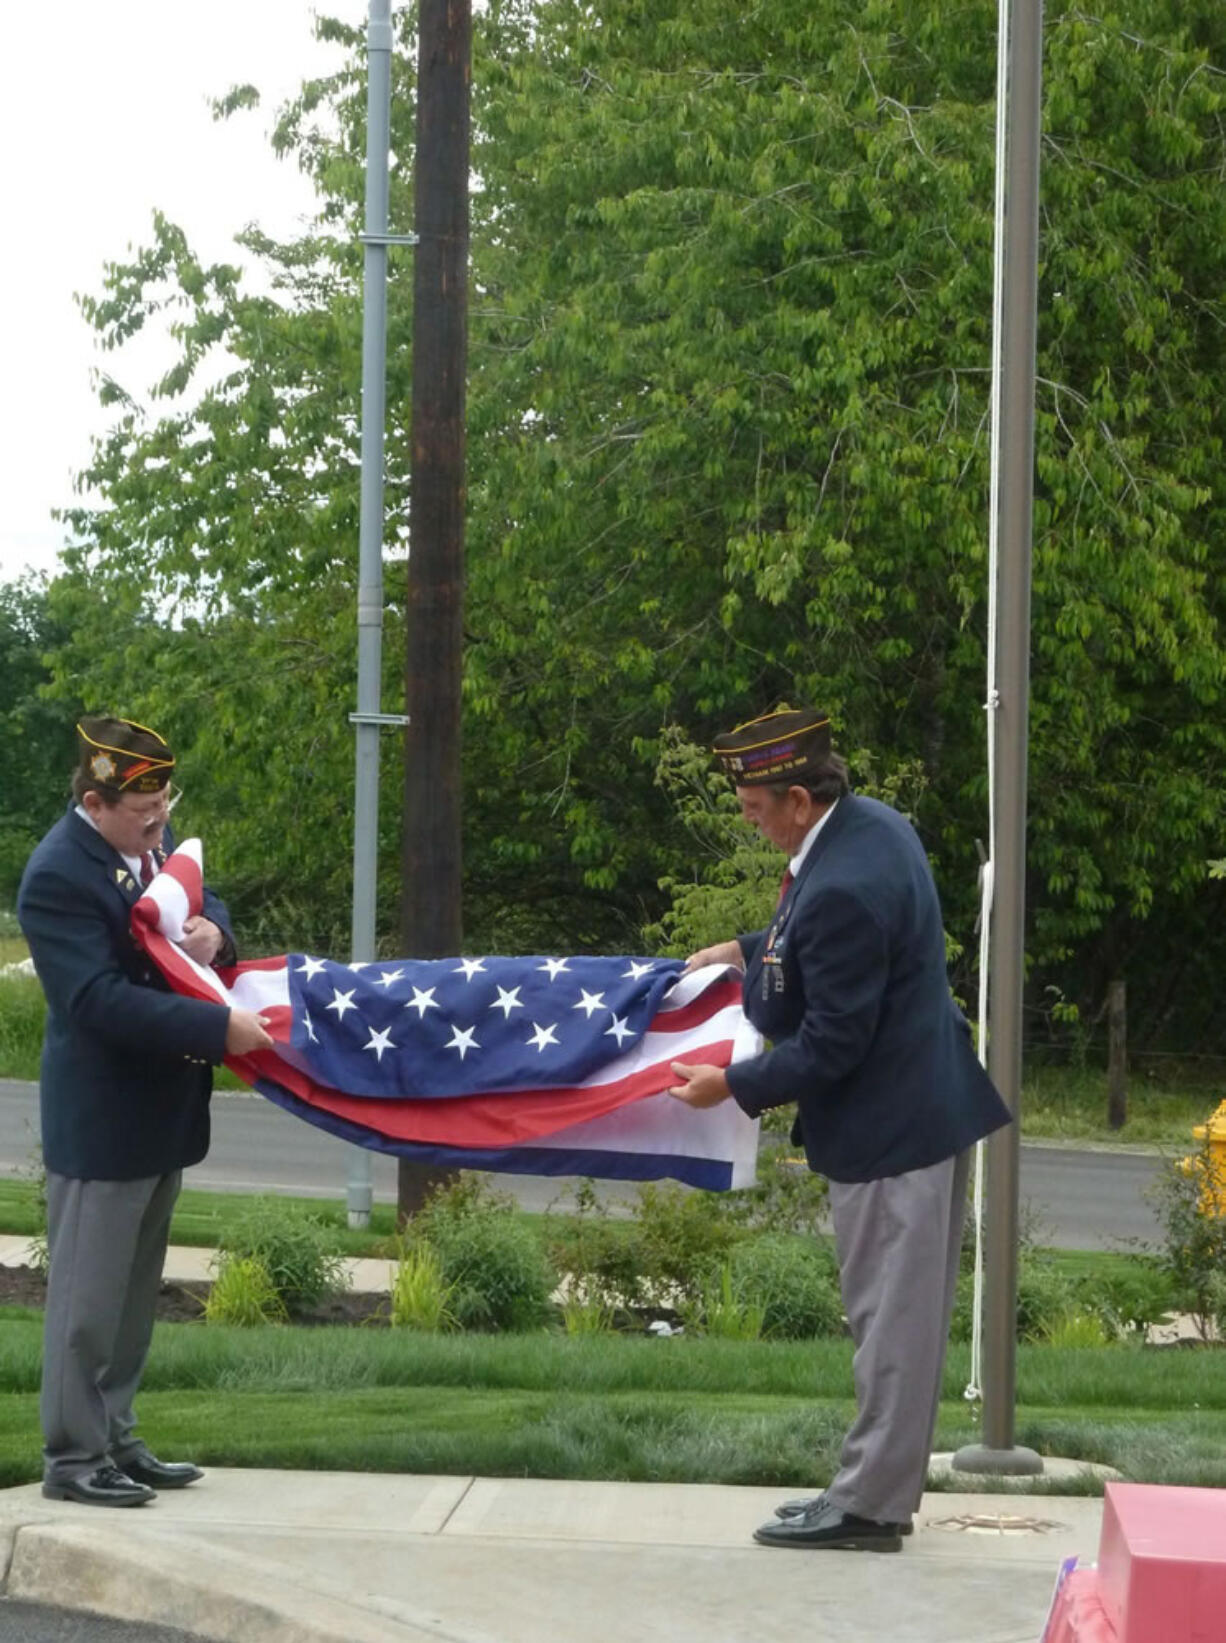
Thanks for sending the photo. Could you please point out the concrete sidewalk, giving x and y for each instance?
(318, 1557)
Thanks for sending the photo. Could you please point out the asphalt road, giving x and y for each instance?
(1071, 1198)
(42, 1623)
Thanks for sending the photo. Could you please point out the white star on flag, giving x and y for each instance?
(462, 1039)
(541, 1036)
(637, 970)
(555, 966)
(471, 967)
(388, 977)
(507, 1000)
(619, 1030)
(310, 966)
(341, 1002)
(589, 1002)
(422, 1001)
(379, 1042)
(306, 1022)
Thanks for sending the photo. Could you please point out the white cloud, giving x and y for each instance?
(105, 116)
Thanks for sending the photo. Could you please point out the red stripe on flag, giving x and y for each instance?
(477, 1120)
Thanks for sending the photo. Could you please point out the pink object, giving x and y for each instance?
(1162, 1563)
(1077, 1614)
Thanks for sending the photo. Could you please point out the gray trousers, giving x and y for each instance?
(898, 1243)
(107, 1244)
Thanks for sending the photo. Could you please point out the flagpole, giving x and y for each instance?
(1013, 446)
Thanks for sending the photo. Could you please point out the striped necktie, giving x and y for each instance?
(146, 869)
(785, 884)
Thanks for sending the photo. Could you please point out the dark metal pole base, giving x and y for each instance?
(1004, 1463)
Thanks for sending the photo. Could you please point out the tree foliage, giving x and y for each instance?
(730, 339)
(38, 738)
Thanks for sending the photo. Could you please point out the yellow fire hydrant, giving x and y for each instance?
(1210, 1162)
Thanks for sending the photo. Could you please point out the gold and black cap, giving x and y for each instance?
(122, 756)
(780, 747)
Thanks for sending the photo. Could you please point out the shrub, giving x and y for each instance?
(1217, 1303)
(1078, 1328)
(685, 1238)
(604, 1257)
(492, 1261)
(1129, 1299)
(23, 1012)
(787, 1197)
(1194, 1256)
(298, 1252)
(794, 1282)
(420, 1297)
(585, 1311)
(244, 1293)
(1044, 1297)
(724, 1309)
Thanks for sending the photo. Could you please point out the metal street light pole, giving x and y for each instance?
(368, 719)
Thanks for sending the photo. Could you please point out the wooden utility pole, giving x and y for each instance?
(432, 925)
(1117, 1056)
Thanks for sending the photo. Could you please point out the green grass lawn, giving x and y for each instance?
(612, 1407)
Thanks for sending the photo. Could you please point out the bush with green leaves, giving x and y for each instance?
(794, 1281)
(1194, 1248)
(1217, 1304)
(1129, 1299)
(492, 1261)
(420, 1296)
(298, 1252)
(724, 1308)
(243, 1293)
(787, 1196)
(23, 1014)
(684, 1238)
(1044, 1297)
(602, 1256)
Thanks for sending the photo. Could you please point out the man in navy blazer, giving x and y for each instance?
(848, 984)
(124, 1096)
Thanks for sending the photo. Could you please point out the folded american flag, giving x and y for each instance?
(541, 1065)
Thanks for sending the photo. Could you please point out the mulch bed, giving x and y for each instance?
(180, 1303)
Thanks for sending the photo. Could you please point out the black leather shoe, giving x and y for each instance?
(108, 1486)
(162, 1474)
(826, 1525)
(803, 1503)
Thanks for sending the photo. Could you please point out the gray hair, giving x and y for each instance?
(825, 779)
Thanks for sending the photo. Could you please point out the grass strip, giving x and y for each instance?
(698, 1438)
(334, 1360)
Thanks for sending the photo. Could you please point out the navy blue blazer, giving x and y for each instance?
(848, 983)
(127, 1064)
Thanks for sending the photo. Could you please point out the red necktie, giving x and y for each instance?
(785, 884)
(146, 869)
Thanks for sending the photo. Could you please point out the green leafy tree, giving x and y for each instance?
(38, 738)
(728, 443)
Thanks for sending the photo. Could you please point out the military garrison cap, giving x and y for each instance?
(122, 756)
(779, 747)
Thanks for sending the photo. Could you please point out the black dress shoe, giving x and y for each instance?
(108, 1486)
(826, 1525)
(162, 1474)
(803, 1503)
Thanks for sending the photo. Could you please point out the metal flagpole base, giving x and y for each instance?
(1017, 1462)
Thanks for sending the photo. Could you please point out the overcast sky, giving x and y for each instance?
(104, 116)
